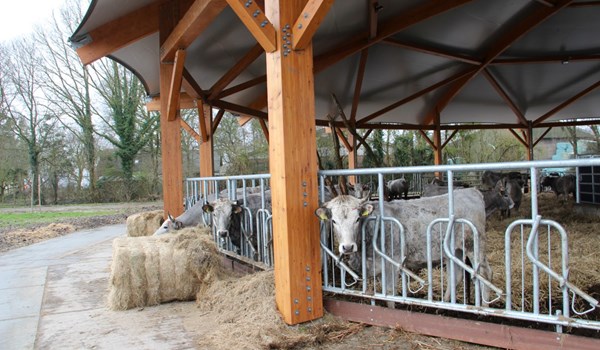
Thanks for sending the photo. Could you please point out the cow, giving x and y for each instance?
(397, 188)
(514, 192)
(347, 215)
(496, 200)
(436, 188)
(228, 217)
(489, 178)
(564, 185)
(191, 217)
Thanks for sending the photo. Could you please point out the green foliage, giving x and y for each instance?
(377, 145)
(484, 146)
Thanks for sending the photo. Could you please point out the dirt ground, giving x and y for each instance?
(329, 333)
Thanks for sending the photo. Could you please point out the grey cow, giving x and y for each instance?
(228, 217)
(347, 215)
(191, 217)
(397, 188)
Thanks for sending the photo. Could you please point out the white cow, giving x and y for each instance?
(347, 214)
(191, 217)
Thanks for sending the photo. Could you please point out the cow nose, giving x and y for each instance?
(222, 233)
(347, 248)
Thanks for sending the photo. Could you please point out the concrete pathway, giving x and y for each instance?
(53, 294)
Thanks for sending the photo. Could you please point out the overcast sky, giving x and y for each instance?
(17, 17)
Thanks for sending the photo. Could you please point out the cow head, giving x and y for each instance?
(171, 224)
(222, 212)
(345, 213)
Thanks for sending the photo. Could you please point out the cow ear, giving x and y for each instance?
(323, 214)
(237, 209)
(366, 210)
(162, 220)
(207, 208)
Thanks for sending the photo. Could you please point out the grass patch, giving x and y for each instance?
(18, 220)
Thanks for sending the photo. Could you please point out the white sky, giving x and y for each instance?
(18, 17)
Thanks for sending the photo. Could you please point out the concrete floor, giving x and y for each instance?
(52, 296)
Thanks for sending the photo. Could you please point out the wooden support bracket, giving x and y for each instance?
(257, 23)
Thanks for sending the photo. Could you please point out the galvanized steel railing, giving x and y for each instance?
(522, 238)
(385, 277)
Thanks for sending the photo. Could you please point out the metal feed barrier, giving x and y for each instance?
(536, 250)
(257, 238)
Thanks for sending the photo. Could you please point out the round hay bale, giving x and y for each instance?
(145, 223)
(157, 269)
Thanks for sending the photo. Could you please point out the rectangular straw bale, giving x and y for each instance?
(157, 269)
(144, 223)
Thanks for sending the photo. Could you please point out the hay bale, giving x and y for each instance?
(157, 269)
(145, 223)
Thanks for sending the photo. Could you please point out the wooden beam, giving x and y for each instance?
(501, 44)
(256, 22)
(505, 96)
(235, 71)
(342, 137)
(197, 18)
(542, 136)
(204, 131)
(265, 128)
(449, 138)
(293, 168)
(185, 102)
(373, 10)
(239, 109)
(217, 120)
(427, 139)
(519, 138)
(360, 75)
(207, 167)
(567, 103)
(185, 126)
(361, 41)
(190, 86)
(472, 331)
(118, 33)
(259, 104)
(390, 27)
(308, 22)
(175, 86)
(417, 94)
(432, 51)
(170, 131)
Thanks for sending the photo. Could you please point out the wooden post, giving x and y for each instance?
(293, 167)
(352, 157)
(170, 131)
(207, 167)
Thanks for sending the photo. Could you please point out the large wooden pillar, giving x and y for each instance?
(207, 165)
(170, 131)
(293, 167)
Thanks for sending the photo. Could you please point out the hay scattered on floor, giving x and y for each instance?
(157, 269)
(584, 254)
(244, 312)
(41, 233)
(145, 223)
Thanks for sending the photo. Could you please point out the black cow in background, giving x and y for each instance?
(564, 185)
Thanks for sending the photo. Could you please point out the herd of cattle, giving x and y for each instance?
(346, 214)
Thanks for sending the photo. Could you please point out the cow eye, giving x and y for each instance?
(334, 222)
(358, 219)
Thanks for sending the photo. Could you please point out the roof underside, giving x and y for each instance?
(486, 62)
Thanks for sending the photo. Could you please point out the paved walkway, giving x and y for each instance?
(52, 296)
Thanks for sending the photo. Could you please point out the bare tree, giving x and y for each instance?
(22, 101)
(67, 83)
